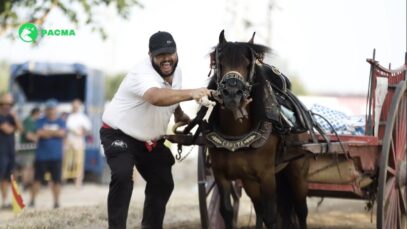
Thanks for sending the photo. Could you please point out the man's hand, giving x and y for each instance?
(198, 93)
(180, 116)
(180, 119)
(184, 118)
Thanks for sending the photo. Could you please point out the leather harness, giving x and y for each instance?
(257, 137)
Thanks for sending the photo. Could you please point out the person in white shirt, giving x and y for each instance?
(133, 125)
(78, 126)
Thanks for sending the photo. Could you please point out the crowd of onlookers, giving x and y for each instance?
(58, 152)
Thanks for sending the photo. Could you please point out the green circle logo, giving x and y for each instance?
(28, 32)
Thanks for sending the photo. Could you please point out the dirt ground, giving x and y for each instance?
(86, 208)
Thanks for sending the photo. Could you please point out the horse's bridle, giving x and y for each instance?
(220, 81)
(257, 137)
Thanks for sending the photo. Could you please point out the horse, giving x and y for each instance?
(243, 145)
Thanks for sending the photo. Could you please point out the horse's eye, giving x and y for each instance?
(239, 92)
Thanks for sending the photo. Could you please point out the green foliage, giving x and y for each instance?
(13, 13)
(112, 83)
(4, 76)
(297, 86)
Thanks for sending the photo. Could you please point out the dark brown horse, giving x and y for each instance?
(245, 146)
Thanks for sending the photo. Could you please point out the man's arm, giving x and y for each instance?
(58, 133)
(51, 133)
(41, 133)
(46, 133)
(31, 136)
(167, 96)
(7, 128)
(17, 123)
(61, 132)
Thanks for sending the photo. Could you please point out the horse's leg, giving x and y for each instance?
(252, 188)
(284, 201)
(297, 178)
(226, 209)
(268, 197)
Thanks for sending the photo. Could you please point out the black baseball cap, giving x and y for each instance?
(162, 42)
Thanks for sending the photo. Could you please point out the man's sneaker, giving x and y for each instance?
(56, 205)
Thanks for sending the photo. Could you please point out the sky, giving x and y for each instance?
(323, 43)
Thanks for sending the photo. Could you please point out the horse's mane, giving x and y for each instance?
(234, 49)
(258, 94)
(260, 50)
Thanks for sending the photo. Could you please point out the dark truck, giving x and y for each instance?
(32, 83)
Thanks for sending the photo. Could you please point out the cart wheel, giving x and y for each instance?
(209, 197)
(392, 193)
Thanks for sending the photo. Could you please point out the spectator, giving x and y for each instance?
(9, 124)
(78, 126)
(51, 131)
(26, 157)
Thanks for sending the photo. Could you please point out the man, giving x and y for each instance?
(51, 131)
(134, 123)
(9, 124)
(29, 137)
(78, 126)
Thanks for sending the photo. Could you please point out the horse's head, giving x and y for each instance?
(235, 69)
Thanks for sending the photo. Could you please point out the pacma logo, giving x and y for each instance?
(58, 32)
(29, 32)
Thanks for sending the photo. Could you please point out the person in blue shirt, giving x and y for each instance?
(51, 131)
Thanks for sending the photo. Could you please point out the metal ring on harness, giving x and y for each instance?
(234, 75)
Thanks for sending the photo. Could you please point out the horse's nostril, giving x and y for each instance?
(225, 92)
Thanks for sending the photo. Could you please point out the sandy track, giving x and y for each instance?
(86, 208)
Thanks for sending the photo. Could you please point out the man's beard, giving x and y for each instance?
(157, 68)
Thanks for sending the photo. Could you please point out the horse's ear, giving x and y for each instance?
(222, 38)
(251, 41)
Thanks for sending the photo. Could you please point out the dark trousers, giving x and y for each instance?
(122, 153)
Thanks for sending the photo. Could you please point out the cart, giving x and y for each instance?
(372, 167)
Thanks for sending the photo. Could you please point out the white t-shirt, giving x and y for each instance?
(77, 125)
(130, 113)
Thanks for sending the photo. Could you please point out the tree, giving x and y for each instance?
(4, 76)
(297, 86)
(112, 83)
(13, 13)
